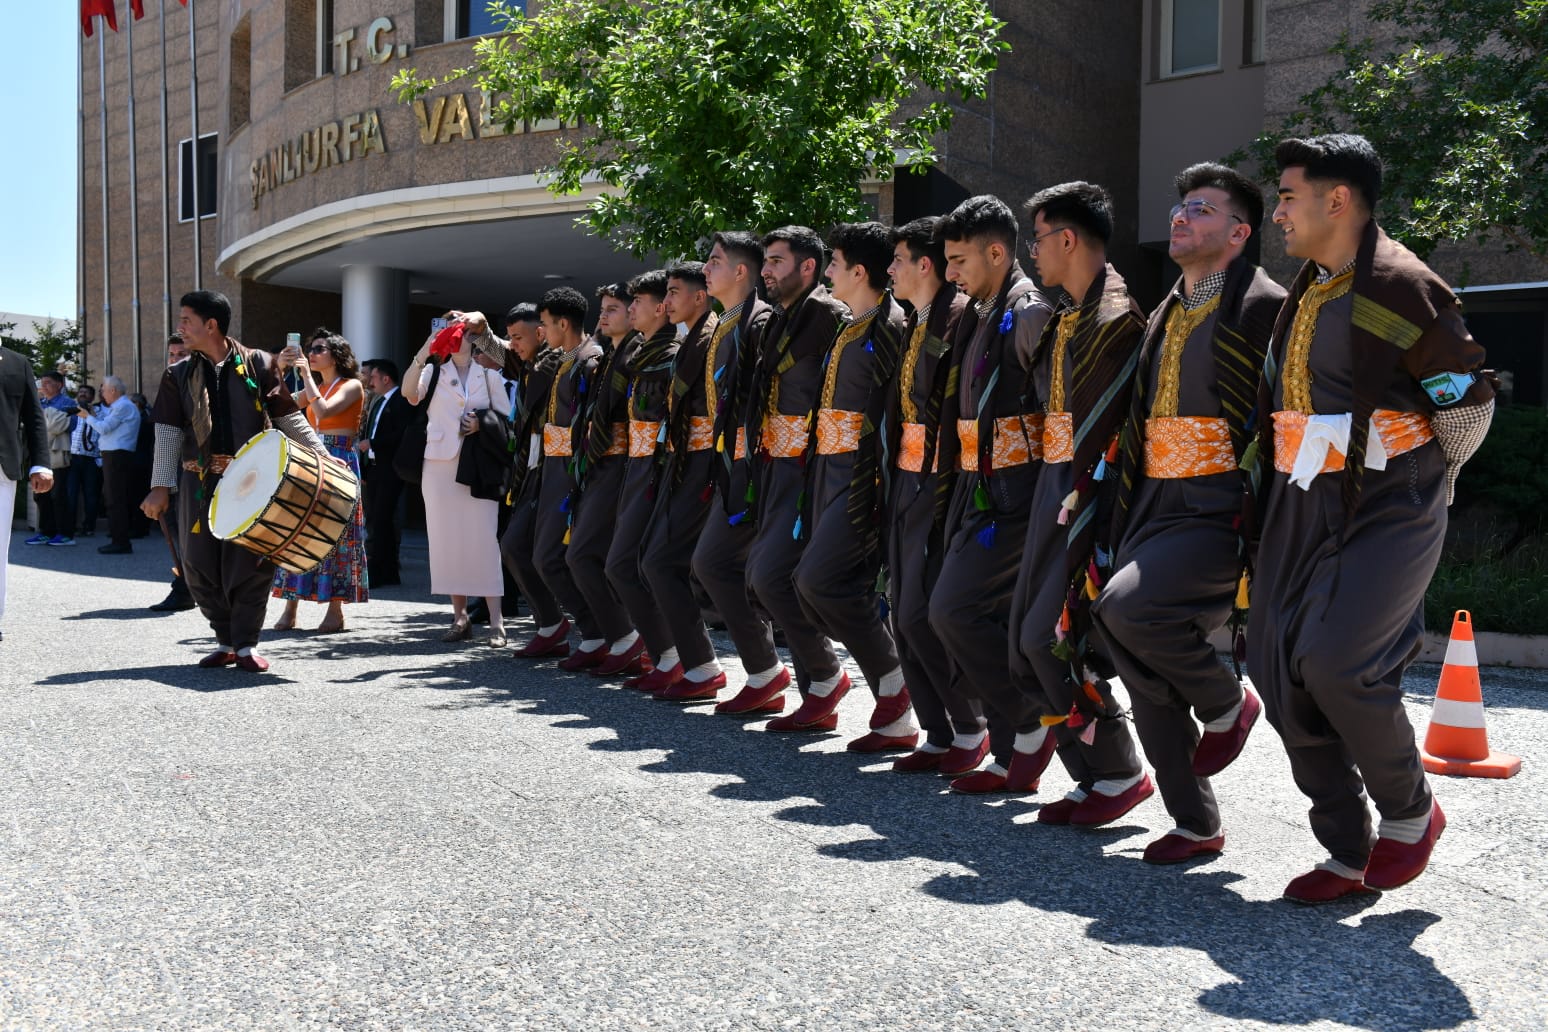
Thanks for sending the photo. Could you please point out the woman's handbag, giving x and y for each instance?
(409, 462)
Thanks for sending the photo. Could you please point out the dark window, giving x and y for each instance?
(474, 18)
(208, 154)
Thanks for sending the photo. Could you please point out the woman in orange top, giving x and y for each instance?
(332, 398)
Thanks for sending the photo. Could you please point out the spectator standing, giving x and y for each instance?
(179, 598)
(59, 419)
(85, 474)
(117, 425)
(385, 421)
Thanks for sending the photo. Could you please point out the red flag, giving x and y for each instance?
(138, 7)
(92, 8)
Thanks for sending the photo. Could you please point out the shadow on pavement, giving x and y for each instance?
(188, 676)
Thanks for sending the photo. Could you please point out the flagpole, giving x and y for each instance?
(80, 197)
(107, 259)
(166, 248)
(193, 101)
(134, 210)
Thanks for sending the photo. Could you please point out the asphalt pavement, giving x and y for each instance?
(389, 832)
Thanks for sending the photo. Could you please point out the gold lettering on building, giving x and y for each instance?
(333, 143)
(379, 47)
(451, 117)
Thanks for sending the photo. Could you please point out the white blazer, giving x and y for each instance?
(483, 389)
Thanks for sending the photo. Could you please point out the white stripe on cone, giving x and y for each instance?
(1461, 653)
(1452, 713)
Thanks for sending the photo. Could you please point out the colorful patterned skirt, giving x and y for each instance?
(342, 576)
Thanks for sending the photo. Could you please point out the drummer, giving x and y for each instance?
(206, 409)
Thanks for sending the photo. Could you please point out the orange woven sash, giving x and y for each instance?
(556, 440)
(1178, 447)
(1058, 437)
(838, 431)
(1400, 432)
(642, 438)
(701, 436)
(1018, 440)
(620, 445)
(911, 451)
(784, 437)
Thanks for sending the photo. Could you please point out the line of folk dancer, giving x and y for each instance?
(1048, 487)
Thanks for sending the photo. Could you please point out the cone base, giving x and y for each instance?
(1496, 765)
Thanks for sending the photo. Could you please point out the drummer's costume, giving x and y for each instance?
(602, 452)
(999, 445)
(920, 470)
(341, 577)
(721, 397)
(1374, 363)
(1179, 550)
(837, 574)
(685, 466)
(204, 413)
(786, 388)
(643, 374)
(1083, 376)
(564, 435)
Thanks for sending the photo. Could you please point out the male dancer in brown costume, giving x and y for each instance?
(206, 409)
(1179, 549)
(1083, 375)
(786, 388)
(999, 447)
(709, 415)
(836, 576)
(1373, 397)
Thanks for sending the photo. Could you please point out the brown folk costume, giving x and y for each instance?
(534, 380)
(565, 432)
(1342, 566)
(718, 392)
(919, 471)
(986, 520)
(836, 575)
(647, 373)
(217, 410)
(1085, 368)
(1176, 531)
(786, 388)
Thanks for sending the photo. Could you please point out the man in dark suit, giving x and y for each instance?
(385, 421)
(23, 445)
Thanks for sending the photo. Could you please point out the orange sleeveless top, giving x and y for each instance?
(345, 422)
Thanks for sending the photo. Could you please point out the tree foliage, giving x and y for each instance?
(1457, 104)
(51, 346)
(707, 114)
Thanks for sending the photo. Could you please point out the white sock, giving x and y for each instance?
(933, 750)
(1191, 836)
(1334, 867)
(703, 672)
(1076, 795)
(968, 741)
(904, 725)
(592, 644)
(995, 768)
(1407, 831)
(824, 688)
(550, 630)
(1227, 720)
(247, 651)
(667, 660)
(1029, 742)
(624, 644)
(891, 684)
(1112, 788)
(763, 677)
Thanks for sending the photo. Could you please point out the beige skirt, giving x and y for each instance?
(464, 535)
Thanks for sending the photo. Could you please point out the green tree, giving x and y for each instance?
(1458, 104)
(52, 346)
(707, 114)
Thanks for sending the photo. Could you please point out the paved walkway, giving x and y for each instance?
(387, 832)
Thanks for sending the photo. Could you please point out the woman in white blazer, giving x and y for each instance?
(463, 530)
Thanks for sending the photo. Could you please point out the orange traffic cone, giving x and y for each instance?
(1456, 742)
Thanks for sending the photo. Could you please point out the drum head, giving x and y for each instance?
(248, 485)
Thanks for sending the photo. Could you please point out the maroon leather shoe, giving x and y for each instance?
(543, 646)
(1026, 769)
(874, 742)
(818, 707)
(980, 782)
(768, 699)
(631, 660)
(788, 725)
(1216, 749)
(219, 658)
(1394, 864)
(655, 680)
(918, 762)
(1174, 849)
(1098, 809)
(890, 709)
(1319, 886)
(684, 690)
(252, 663)
(583, 660)
(1057, 812)
(957, 762)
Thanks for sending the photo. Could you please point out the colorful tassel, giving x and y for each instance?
(1071, 500)
(1088, 736)
(566, 536)
(1008, 322)
(196, 527)
(795, 531)
(564, 504)
(1243, 593)
(737, 519)
(1091, 589)
(1052, 721)
(980, 498)
(986, 536)
(707, 493)
(1250, 455)
(870, 346)
(1101, 470)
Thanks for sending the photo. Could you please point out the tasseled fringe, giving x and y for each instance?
(737, 519)
(1062, 626)
(986, 536)
(795, 531)
(980, 498)
(1243, 592)
(1067, 507)
(195, 528)
(564, 504)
